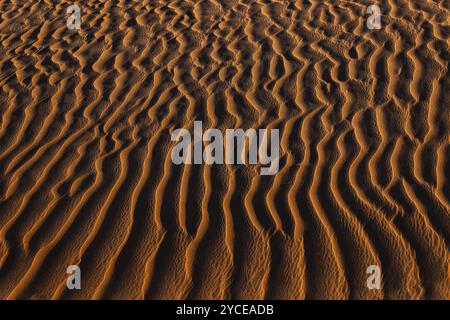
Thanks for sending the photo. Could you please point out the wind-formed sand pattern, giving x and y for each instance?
(86, 176)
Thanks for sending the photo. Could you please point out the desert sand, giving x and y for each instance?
(86, 176)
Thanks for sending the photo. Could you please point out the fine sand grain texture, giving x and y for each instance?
(86, 176)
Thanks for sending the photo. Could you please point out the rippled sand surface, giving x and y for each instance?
(86, 176)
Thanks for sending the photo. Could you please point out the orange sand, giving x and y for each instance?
(86, 176)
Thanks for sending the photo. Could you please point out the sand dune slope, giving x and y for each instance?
(86, 176)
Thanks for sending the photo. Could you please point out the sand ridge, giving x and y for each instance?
(87, 178)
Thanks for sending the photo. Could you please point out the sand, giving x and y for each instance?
(86, 176)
